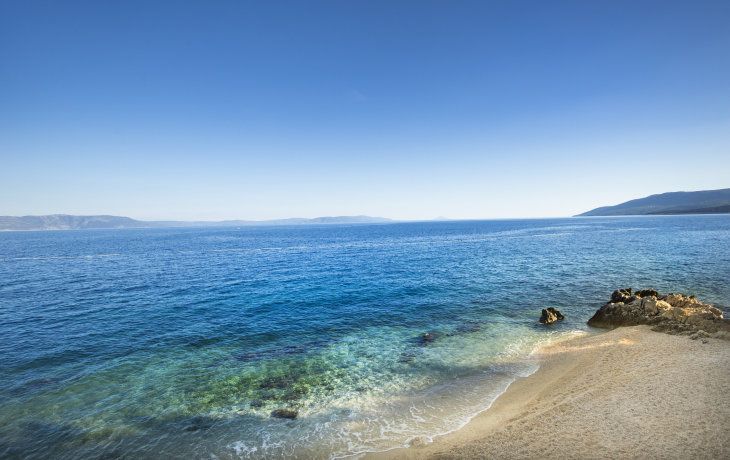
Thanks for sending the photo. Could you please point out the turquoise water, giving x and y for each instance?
(180, 342)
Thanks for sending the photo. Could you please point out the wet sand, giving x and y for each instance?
(626, 393)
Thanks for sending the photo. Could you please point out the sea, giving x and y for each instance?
(182, 342)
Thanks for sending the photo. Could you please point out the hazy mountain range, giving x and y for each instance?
(702, 202)
(68, 222)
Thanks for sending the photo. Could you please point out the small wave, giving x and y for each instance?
(351, 423)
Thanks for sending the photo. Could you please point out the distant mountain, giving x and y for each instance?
(305, 221)
(702, 202)
(68, 222)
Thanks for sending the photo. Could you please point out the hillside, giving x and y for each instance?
(701, 202)
(69, 222)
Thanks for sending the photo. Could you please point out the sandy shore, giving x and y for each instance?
(627, 393)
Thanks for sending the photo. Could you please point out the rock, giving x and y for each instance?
(672, 313)
(551, 315)
(548, 317)
(285, 413)
(199, 423)
(649, 306)
(621, 295)
(279, 382)
(426, 338)
(557, 313)
(407, 358)
(652, 306)
(256, 404)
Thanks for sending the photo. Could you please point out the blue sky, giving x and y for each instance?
(410, 109)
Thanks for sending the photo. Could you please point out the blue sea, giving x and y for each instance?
(180, 342)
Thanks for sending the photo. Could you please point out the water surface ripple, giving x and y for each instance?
(181, 342)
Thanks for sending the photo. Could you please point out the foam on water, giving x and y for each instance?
(353, 395)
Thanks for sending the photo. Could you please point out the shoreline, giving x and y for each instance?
(425, 439)
(627, 392)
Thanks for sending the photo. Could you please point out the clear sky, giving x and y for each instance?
(402, 109)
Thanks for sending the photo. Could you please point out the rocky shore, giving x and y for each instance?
(670, 313)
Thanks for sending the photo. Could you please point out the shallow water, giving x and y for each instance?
(180, 342)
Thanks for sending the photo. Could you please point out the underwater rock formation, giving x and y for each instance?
(285, 413)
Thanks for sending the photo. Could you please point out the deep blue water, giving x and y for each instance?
(180, 342)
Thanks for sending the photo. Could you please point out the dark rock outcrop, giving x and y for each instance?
(285, 413)
(551, 315)
(547, 317)
(621, 295)
(646, 293)
(557, 313)
(426, 338)
(672, 313)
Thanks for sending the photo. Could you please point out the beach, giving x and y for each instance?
(626, 393)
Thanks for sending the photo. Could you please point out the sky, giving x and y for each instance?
(404, 109)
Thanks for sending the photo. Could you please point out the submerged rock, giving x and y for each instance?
(279, 382)
(199, 423)
(407, 358)
(671, 313)
(551, 315)
(285, 413)
(256, 404)
(427, 337)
